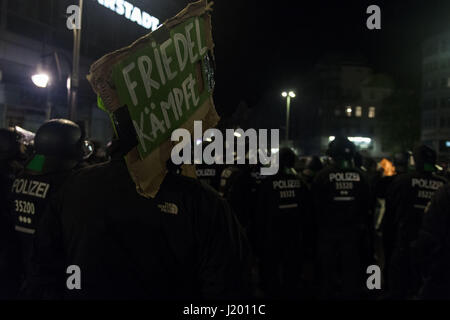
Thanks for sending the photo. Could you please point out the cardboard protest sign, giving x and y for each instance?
(165, 80)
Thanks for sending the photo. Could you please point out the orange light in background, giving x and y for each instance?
(388, 167)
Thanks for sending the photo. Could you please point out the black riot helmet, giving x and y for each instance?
(359, 160)
(341, 148)
(424, 158)
(314, 164)
(9, 144)
(287, 158)
(59, 138)
(58, 145)
(401, 161)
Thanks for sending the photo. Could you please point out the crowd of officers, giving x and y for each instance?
(308, 232)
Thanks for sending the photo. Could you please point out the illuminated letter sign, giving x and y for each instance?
(131, 12)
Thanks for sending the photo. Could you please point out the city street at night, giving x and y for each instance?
(226, 159)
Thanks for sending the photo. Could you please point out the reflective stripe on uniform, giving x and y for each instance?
(344, 198)
(24, 230)
(288, 206)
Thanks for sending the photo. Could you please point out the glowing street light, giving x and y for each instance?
(40, 80)
(43, 78)
(287, 95)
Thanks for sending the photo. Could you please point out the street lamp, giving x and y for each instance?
(72, 84)
(288, 96)
(74, 78)
(40, 80)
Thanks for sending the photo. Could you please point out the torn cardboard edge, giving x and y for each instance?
(138, 167)
(148, 173)
(100, 73)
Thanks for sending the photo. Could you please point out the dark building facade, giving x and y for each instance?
(436, 93)
(34, 38)
(343, 98)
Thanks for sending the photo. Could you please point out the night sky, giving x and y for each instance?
(268, 46)
(265, 47)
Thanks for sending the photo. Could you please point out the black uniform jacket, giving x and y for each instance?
(184, 243)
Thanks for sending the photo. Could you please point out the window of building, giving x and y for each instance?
(358, 111)
(348, 111)
(371, 112)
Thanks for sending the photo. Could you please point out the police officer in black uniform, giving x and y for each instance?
(387, 225)
(12, 158)
(341, 195)
(410, 194)
(281, 222)
(58, 150)
(313, 166)
(11, 164)
(210, 173)
(431, 251)
(184, 243)
(240, 185)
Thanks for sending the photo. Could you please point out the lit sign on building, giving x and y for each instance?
(131, 12)
(362, 142)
